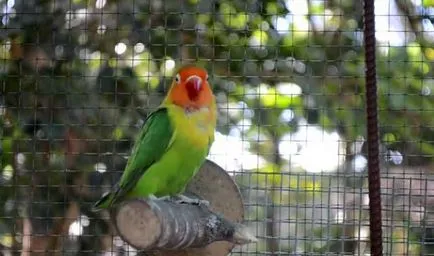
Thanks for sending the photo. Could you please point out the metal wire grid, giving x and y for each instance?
(288, 76)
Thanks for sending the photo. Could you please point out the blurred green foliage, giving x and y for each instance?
(78, 76)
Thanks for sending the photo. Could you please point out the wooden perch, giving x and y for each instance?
(156, 224)
(169, 228)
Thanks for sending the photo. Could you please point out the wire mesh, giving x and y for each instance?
(78, 76)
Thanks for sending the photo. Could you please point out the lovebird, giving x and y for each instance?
(174, 142)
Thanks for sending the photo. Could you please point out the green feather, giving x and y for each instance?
(169, 151)
(154, 140)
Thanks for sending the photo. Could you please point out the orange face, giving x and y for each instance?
(190, 88)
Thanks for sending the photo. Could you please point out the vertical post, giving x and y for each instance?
(372, 131)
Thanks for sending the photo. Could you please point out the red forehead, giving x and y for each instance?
(187, 71)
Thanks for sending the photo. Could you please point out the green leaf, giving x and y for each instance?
(428, 3)
(389, 138)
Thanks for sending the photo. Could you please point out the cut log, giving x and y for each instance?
(164, 225)
(164, 228)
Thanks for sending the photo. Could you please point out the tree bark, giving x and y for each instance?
(163, 225)
(166, 228)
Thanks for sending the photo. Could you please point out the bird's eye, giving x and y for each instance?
(178, 78)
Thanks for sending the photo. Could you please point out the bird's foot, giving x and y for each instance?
(181, 199)
(163, 198)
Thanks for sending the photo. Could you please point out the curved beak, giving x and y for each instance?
(194, 82)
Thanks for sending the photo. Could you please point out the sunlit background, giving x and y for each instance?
(288, 77)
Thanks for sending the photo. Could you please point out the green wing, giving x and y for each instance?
(154, 140)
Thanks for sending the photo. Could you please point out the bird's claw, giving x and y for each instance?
(181, 199)
(163, 198)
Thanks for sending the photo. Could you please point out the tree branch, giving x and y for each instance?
(415, 22)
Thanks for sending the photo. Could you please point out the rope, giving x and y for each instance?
(372, 131)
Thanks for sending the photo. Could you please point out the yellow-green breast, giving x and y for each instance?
(193, 134)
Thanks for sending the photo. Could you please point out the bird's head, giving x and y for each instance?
(190, 88)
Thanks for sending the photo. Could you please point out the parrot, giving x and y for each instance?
(173, 143)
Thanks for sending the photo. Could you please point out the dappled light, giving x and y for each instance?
(79, 78)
